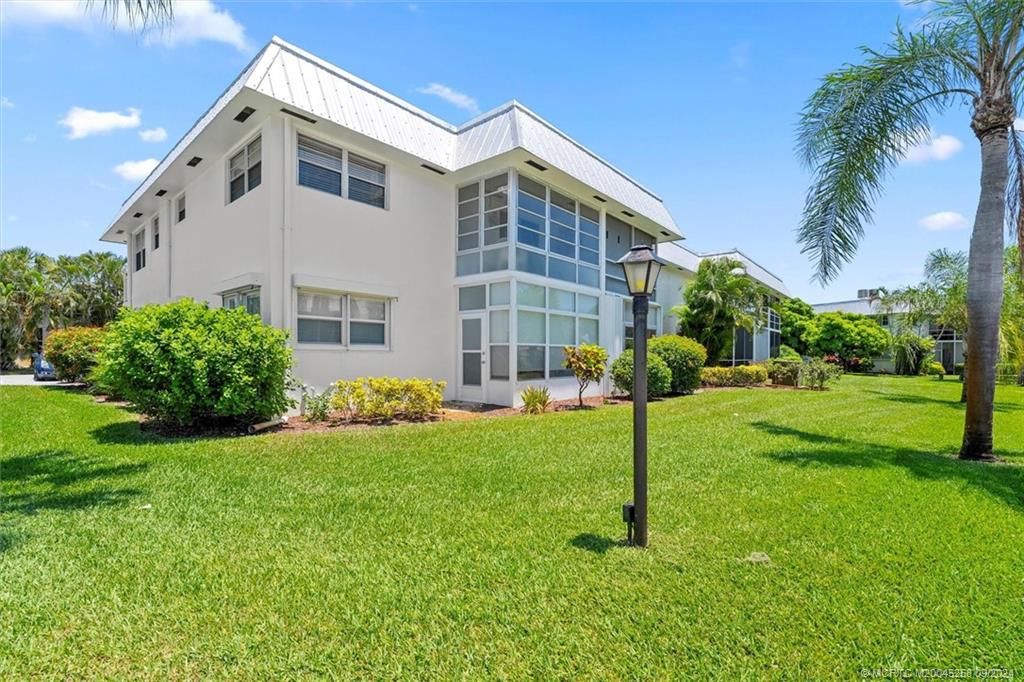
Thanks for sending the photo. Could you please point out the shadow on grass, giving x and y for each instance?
(1005, 482)
(914, 399)
(598, 544)
(54, 480)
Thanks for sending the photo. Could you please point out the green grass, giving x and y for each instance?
(490, 548)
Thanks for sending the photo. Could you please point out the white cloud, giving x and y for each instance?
(943, 221)
(1018, 124)
(85, 122)
(6, 103)
(933, 148)
(153, 135)
(135, 170)
(193, 21)
(453, 97)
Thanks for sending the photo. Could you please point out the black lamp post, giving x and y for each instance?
(642, 268)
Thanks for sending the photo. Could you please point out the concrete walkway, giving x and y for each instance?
(22, 380)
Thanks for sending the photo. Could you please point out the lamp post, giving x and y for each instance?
(642, 268)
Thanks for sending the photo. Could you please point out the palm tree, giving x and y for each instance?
(137, 14)
(720, 299)
(858, 125)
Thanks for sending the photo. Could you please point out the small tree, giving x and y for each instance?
(588, 362)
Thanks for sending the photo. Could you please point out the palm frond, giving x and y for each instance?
(859, 125)
(136, 14)
(1015, 192)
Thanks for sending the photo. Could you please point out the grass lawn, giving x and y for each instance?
(490, 548)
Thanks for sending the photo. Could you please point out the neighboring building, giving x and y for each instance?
(389, 242)
(949, 345)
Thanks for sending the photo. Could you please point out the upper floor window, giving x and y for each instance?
(248, 298)
(139, 246)
(365, 181)
(482, 226)
(620, 237)
(155, 226)
(323, 167)
(244, 170)
(180, 208)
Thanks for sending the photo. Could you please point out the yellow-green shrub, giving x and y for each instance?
(741, 375)
(383, 398)
(73, 351)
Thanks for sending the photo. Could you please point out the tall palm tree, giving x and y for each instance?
(858, 125)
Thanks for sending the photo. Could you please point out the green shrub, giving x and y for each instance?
(740, 375)
(73, 351)
(659, 376)
(317, 408)
(817, 374)
(684, 357)
(910, 353)
(847, 336)
(784, 372)
(936, 369)
(183, 363)
(587, 362)
(787, 353)
(384, 398)
(536, 399)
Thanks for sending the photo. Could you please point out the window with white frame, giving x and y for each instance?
(366, 180)
(556, 236)
(180, 208)
(248, 298)
(244, 170)
(139, 247)
(341, 319)
(496, 299)
(330, 169)
(774, 333)
(653, 321)
(482, 239)
(547, 320)
(155, 229)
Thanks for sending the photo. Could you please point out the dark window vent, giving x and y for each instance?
(194, 161)
(631, 215)
(601, 199)
(431, 168)
(120, 232)
(162, 192)
(536, 165)
(296, 114)
(663, 232)
(137, 215)
(244, 114)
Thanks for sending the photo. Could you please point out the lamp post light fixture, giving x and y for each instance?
(642, 268)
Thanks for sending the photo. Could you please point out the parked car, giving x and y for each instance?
(42, 370)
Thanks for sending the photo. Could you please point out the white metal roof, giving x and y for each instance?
(682, 257)
(861, 306)
(309, 84)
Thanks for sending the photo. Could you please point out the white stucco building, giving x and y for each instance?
(390, 242)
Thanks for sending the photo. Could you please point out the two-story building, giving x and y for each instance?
(390, 242)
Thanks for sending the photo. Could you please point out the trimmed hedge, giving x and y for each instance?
(73, 351)
(685, 358)
(659, 376)
(384, 398)
(740, 375)
(184, 363)
(784, 372)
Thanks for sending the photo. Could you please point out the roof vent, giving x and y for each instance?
(431, 168)
(244, 114)
(536, 165)
(665, 233)
(137, 215)
(296, 114)
(161, 192)
(194, 161)
(119, 232)
(601, 199)
(631, 215)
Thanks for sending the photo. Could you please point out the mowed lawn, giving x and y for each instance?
(491, 548)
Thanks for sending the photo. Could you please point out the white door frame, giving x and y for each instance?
(475, 394)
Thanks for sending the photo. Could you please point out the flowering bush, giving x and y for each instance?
(73, 351)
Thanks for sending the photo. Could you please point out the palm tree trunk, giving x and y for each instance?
(985, 294)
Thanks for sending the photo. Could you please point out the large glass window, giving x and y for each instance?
(482, 226)
(549, 319)
(342, 319)
(774, 333)
(244, 170)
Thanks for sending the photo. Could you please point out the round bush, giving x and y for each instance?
(684, 357)
(73, 351)
(183, 363)
(659, 376)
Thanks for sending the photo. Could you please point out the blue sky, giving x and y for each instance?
(697, 101)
